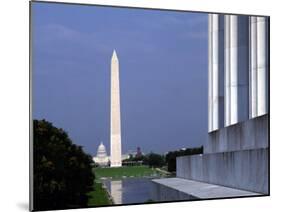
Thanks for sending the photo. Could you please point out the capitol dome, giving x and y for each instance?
(101, 158)
(101, 151)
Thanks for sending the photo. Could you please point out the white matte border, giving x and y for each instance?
(14, 107)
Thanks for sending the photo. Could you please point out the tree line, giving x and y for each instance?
(158, 160)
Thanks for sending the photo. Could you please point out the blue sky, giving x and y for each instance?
(163, 74)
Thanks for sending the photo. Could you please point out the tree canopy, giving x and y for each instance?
(154, 160)
(62, 170)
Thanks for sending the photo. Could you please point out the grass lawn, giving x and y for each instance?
(98, 196)
(125, 171)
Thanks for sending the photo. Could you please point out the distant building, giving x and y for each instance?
(125, 156)
(135, 153)
(102, 159)
(139, 153)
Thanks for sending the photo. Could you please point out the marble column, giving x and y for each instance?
(253, 68)
(262, 65)
(216, 72)
(258, 66)
(236, 69)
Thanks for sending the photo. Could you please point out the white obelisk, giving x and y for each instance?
(115, 123)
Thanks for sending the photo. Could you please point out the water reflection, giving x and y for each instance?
(116, 191)
(130, 190)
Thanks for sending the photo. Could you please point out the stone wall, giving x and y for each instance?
(245, 169)
(251, 134)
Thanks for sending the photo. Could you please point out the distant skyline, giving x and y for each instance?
(163, 59)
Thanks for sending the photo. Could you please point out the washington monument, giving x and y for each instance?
(115, 122)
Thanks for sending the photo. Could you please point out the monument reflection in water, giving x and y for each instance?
(116, 191)
(130, 190)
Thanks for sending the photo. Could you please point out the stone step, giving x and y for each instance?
(170, 189)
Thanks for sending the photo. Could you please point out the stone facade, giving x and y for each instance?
(237, 150)
(238, 69)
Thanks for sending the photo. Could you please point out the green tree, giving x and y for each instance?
(62, 171)
(154, 160)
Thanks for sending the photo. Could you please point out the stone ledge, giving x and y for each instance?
(247, 135)
(194, 189)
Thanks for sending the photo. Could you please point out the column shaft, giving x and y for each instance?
(258, 66)
(262, 65)
(253, 67)
(215, 90)
(210, 74)
(236, 69)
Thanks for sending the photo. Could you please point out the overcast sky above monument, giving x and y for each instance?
(163, 74)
